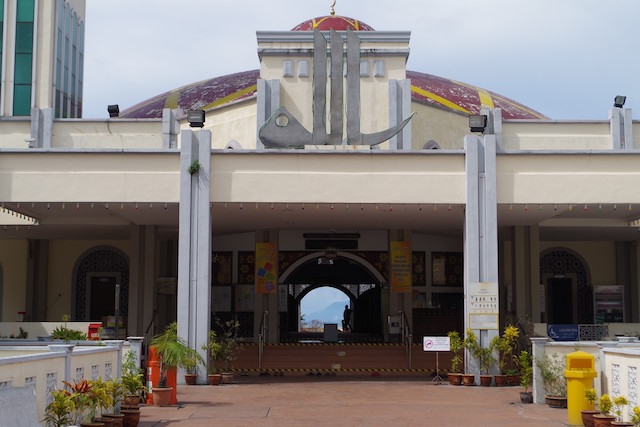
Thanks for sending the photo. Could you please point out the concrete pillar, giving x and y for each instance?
(66, 349)
(170, 129)
(135, 345)
(481, 241)
(268, 101)
(41, 128)
(537, 351)
(194, 253)
(621, 129)
(400, 109)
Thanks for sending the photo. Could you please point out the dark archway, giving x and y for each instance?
(557, 263)
(97, 264)
(349, 276)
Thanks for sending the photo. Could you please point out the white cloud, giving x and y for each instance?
(536, 52)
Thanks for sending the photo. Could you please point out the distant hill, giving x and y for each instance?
(330, 314)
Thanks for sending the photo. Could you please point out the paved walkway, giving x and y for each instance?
(348, 401)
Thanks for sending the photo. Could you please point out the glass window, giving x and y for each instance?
(23, 68)
(25, 11)
(22, 100)
(24, 37)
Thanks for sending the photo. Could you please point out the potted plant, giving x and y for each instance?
(605, 417)
(555, 384)
(482, 355)
(228, 341)
(587, 414)
(505, 344)
(132, 379)
(456, 346)
(214, 353)
(172, 352)
(635, 416)
(103, 401)
(619, 402)
(526, 376)
(85, 400)
(59, 413)
(190, 365)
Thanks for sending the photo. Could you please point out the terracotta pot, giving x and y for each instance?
(132, 399)
(107, 422)
(500, 380)
(486, 380)
(190, 379)
(454, 378)
(214, 379)
(587, 417)
(622, 423)
(116, 419)
(131, 417)
(227, 378)
(526, 397)
(556, 402)
(161, 395)
(513, 379)
(601, 420)
(468, 379)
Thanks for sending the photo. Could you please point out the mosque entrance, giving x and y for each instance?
(361, 288)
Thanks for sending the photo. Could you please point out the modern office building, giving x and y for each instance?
(331, 165)
(42, 57)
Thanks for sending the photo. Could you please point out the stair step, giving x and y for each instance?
(339, 357)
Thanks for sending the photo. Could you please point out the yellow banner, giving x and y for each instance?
(266, 268)
(400, 267)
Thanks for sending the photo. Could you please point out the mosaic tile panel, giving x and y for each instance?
(633, 388)
(108, 371)
(615, 380)
(5, 384)
(592, 332)
(30, 383)
(79, 374)
(95, 372)
(52, 382)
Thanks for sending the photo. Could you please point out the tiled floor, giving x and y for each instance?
(348, 401)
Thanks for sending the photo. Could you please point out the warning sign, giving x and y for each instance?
(435, 343)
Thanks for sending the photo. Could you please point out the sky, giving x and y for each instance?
(567, 59)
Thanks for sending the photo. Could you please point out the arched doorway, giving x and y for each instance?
(569, 298)
(96, 274)
(346, 272)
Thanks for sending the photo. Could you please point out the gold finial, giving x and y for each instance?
(333, 11)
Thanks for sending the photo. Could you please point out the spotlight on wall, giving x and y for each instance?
(477, 123)
(195, 118)
(619, 100)
(114, 110)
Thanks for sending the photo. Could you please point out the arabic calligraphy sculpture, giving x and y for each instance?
(283, 130)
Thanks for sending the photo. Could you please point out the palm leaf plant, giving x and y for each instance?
(173, 351)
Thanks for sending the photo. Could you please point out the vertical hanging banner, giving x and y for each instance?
(266, 268)
(400, 267)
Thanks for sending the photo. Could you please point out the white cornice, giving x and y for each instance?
(307, 36)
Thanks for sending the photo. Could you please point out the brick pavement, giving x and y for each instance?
(348, 401)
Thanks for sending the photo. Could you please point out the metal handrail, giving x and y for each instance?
(407, 336)
(261, 337)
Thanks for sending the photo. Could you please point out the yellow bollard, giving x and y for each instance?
(579, 373)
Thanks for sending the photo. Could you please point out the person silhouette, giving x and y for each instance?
(346, 319)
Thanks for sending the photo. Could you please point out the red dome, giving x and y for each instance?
(338, 23)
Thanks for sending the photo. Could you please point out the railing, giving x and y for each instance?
(261, 337)
(43, 365)
(407, 336)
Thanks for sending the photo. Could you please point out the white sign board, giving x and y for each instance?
(435, 344)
